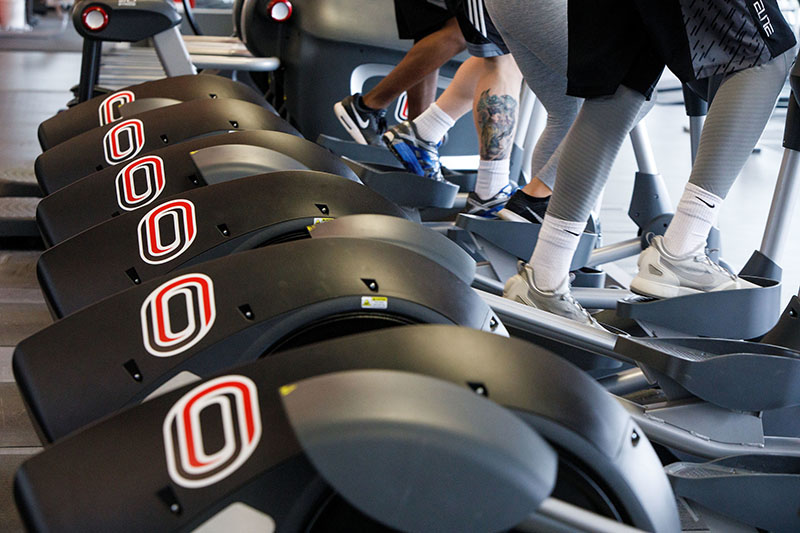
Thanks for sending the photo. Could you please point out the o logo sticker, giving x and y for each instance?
(169, 331)
(109, 109)
(123, 141)
(147, 171)
(166, 231)
(401, 109)
(234, 400)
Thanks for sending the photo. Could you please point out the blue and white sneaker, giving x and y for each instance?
(417, 155)
(491, 207)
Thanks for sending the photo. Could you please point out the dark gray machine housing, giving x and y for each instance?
(259, 302)
(116, 471)
(88, 152)
(185, 166)
(197, 225)
(127, 23)
(86, 115)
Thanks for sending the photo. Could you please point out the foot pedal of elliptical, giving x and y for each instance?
(760, 491)
(519, 238)
(734, 314)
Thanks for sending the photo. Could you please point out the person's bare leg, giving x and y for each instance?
(422, 95)
(495, 110)
(537, 189)
(426, 56)
(453, 103)
(457, 99)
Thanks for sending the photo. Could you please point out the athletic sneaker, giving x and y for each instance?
(489, 208)
(364, 126)
(664, 275)
(522, 289)
(524, 208)
(417, 155)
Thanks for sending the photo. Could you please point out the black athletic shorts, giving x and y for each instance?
(483, 39)
(416, 19)
(629, 42)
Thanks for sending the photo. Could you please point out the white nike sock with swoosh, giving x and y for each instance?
(557, 242)
(694, 216)
(433, 123)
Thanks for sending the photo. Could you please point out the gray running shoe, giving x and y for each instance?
(417, 155)
(522, 289)
(664, 275)
(365, 127)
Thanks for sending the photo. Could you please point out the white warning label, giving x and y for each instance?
(374, 302)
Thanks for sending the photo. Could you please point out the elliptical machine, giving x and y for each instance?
(435, 452)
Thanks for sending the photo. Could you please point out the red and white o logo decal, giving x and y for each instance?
(109, 109)
(167, 231)
(140, 182)
(401, 109)
(178, 314)
(234, 402)
(123, 141)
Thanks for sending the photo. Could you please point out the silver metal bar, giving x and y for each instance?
(558, 515)
(599, 298)
(526, 102)
(461, 200)
(535, 126)
(552, 326)
(485, 283)
(615, 252)
(695, 129)
(172, 53)
(688, 442)
(252, 64)
(782, 208)
(642, 149)
(625, 382)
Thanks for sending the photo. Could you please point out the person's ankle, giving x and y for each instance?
(537, 189)
(533, 198)
(361, 103)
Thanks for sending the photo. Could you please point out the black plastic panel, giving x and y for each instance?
(255, 301)
(115, 471)
(97, 197)
(122, 141)
(103, 109)
(196, 226)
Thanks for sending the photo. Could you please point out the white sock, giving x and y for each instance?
(433, 123)
(492, 176)
(558, 240)
(695, 215)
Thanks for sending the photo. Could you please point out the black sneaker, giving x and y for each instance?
(524, 208)
(364, 126)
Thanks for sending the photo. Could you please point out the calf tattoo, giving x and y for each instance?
(496, 118)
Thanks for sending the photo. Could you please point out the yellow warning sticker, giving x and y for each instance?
(318, 221)
(374, 302)
(286, 390)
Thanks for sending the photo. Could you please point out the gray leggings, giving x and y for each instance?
(536, 34)
(741, 108)
(542, 58)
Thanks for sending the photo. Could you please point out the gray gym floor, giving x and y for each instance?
(34, 85)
